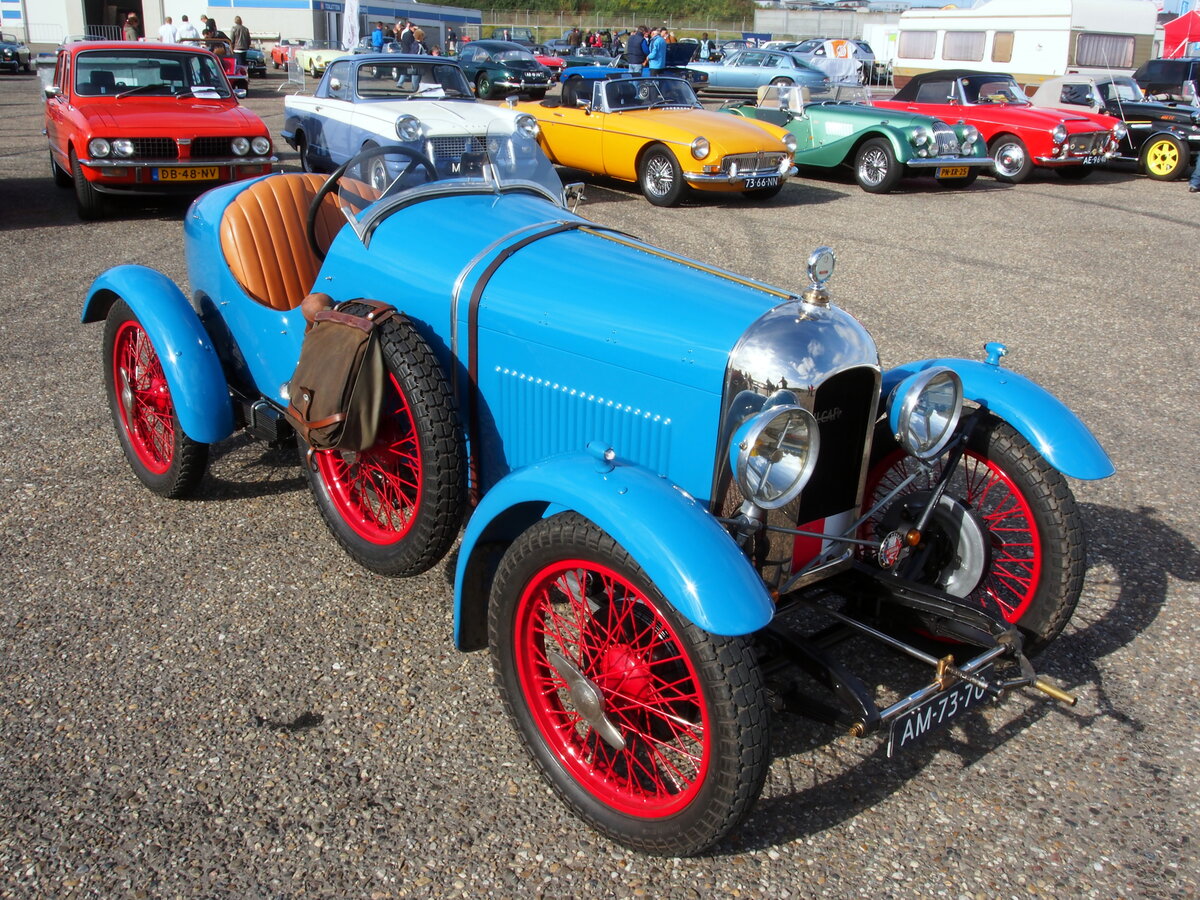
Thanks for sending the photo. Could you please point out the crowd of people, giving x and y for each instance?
(170, 33)
(411, 38)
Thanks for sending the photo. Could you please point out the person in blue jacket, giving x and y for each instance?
(377, 38)
(635, 51)
(656, 59)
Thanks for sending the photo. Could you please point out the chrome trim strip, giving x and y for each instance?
(176, 163)
(700, 178)
(950, 161)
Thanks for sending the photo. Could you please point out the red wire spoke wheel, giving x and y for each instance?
(165, 459)
(396, 507)
(652, 730)
(1035, 552)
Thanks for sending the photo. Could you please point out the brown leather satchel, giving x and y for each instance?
(337, 390)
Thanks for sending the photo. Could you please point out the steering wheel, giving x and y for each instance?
(416, 159)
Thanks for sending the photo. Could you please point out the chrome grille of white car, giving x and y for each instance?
(452, 147)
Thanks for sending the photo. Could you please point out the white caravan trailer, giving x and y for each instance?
(1030, 39)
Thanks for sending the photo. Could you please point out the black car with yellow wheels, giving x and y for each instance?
(1163, 137)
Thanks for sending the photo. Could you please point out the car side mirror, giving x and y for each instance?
(586, 106)
(52, 91)
(335, 84)
(573, 193)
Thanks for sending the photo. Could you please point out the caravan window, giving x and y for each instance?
(1104, 50)
(965, 45)
(917, 44)
(1002, 45)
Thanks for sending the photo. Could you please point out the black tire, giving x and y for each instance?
(275, 64)
(89, 202)
(671, 789)
(537, 95)
(1074, 173)
(761, 195)
(964, 182)
(302, 149)
(875, 167)
(1021, 488)
(660, 177)
(1164, 157)
(61, 179)
(1012, 159)
(483, 86)
(163, 458)
(396, 507)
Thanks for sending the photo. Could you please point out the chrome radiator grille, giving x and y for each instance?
(452, 147)
(1088, 144)
(753, 163)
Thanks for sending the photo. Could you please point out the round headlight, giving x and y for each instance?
(925, 411)
(241, 146)
(408, 128)
(773, 455)
(527, 125)
(700, 148)
(1120, 130)
(122, 147)
(98, 148)
(1059, 134)
(919, 137)
(970, 134)
(789, 141)
(261, 146)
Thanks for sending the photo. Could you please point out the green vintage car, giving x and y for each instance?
(839, 128)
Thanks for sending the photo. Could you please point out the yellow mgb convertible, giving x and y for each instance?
(655, 132)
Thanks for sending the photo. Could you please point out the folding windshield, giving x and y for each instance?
(992, 89)
(413, 81)
(647, 93)
(148, 73)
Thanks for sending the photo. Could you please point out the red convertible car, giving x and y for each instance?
(1019, 135)
(150, 119)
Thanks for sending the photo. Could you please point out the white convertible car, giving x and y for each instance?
(423, 102)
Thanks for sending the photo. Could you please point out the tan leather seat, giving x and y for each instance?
(265, 242)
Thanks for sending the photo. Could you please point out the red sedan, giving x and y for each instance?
(150, 119)
(1019, 135)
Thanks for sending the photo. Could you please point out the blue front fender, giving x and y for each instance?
(189, 360)
(1044, 420)
(683, 550)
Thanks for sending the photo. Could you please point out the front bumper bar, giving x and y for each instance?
(723, 178)
(934, 162)
(177, 163)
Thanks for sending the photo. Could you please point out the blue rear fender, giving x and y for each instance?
(1044, 420)
(189, 360)
(683, 550)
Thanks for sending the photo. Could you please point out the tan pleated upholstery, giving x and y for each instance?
(264, 239)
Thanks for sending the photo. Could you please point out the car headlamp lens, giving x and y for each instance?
(1059, 134)
(261, 146)
(99, 148)
(970, 134)
(527, 125)
(919, 137)
(1120, 130)
(241, 146)
(925, 411)
(789, 141)
(408, 128)
(700, 148)
(773, 455)
(122, 147)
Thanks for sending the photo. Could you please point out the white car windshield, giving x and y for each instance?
(413, 81)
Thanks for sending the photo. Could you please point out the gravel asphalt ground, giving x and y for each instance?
(209, 699)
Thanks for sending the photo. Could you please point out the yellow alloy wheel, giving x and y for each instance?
(1164, 158)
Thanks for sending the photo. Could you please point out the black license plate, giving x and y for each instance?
(937, 712)
(761, 181)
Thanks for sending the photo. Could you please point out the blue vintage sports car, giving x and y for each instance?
(681, 488)
(374, 99)
(745, 71)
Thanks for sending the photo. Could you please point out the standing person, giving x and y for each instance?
(130, 31)
(377, 38)
(635, 51)
(407, 38)
(451, 40)
(187, 31)
(706, 48)
(656, 58)
(418, 44)
(240, 40)
(167, 33)
(573, 41)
